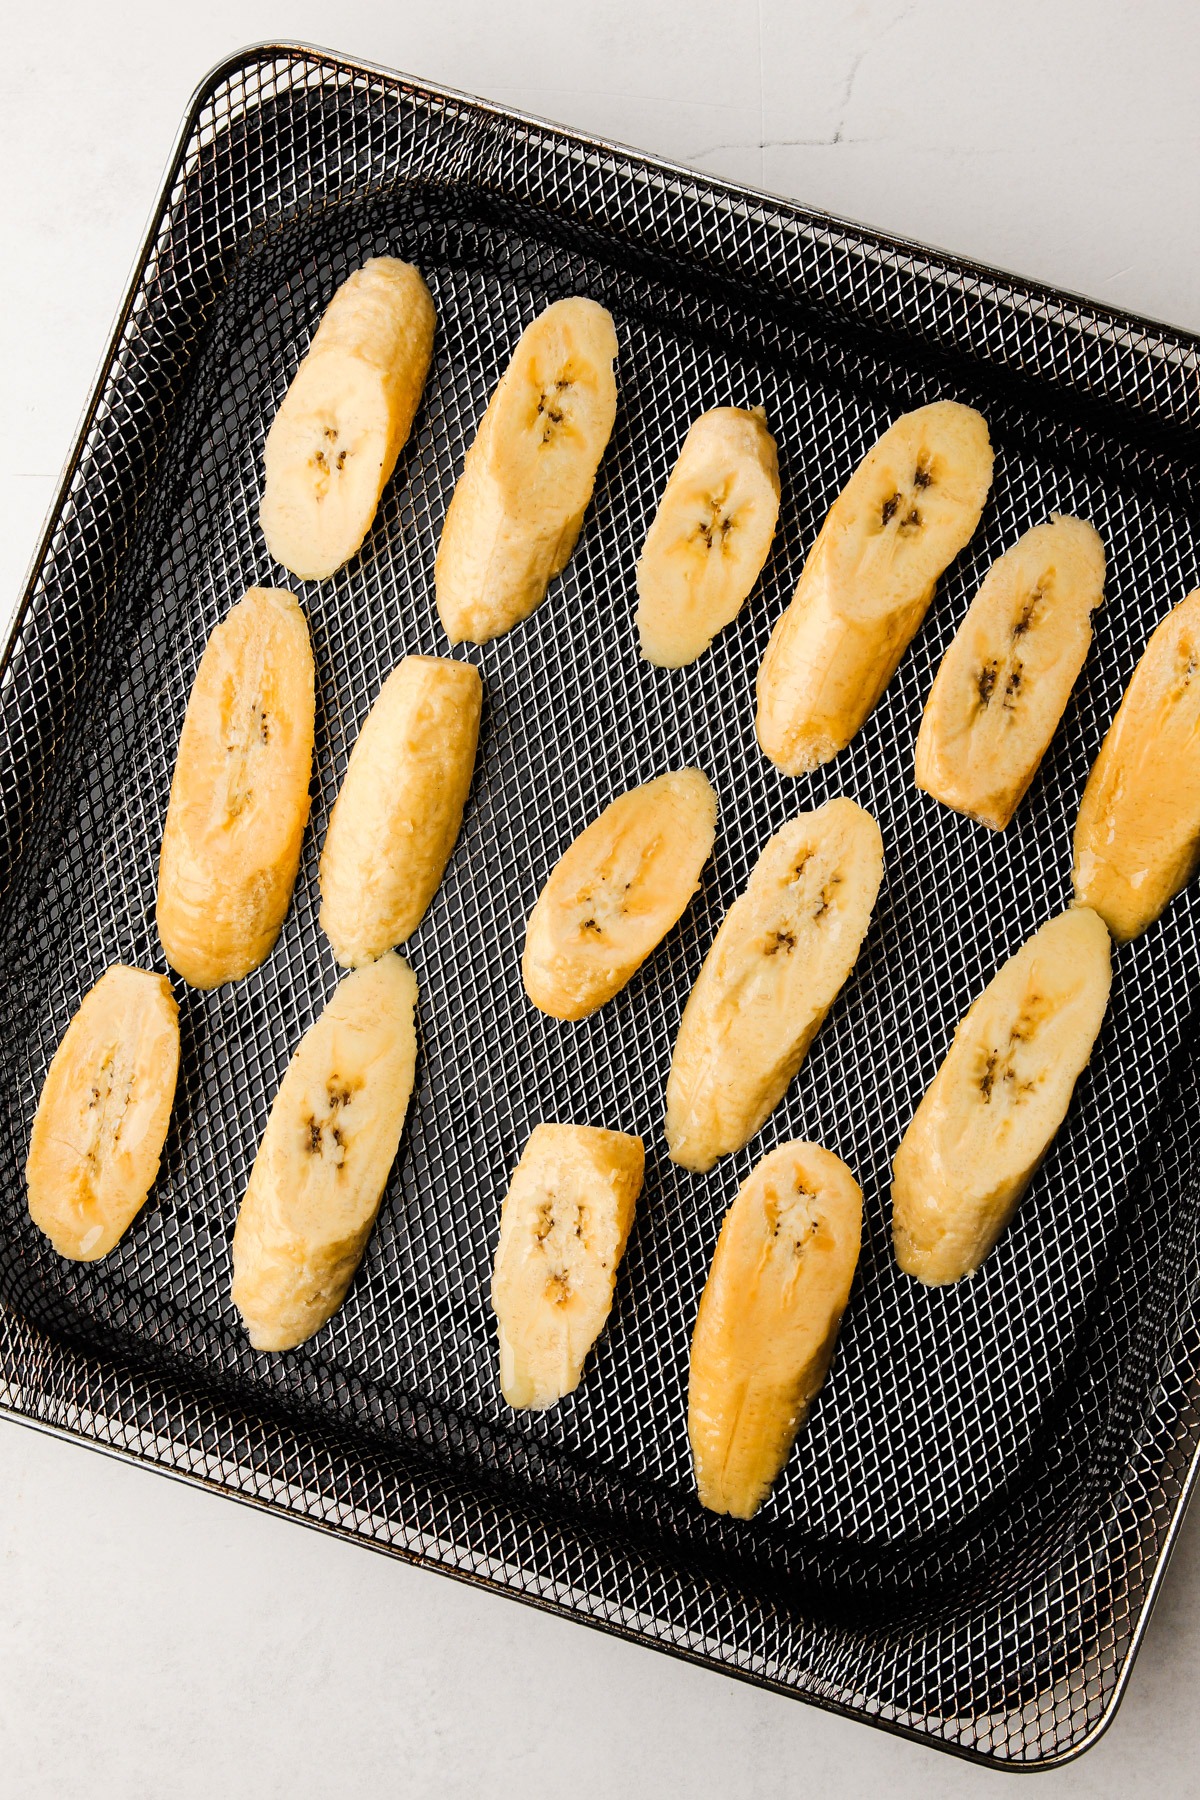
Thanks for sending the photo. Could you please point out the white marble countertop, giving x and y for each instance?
(158, 1641)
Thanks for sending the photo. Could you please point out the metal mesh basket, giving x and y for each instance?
(967, 1538)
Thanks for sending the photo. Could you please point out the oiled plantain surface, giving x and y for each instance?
(990, 1114)
(324, 1160)
(616, 892)
(768, 1321)
(400, 808)
(908, 509)
(103, 1113)
(528, 476)
(784, 951)
(239, 795)
(1005, 680)
(563, 1231)
(1137, 838)
(710, 536)
(346, 417)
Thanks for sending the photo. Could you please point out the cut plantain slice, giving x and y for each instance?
(710, 536)
(563, 1231)
(768, 1321)
(323, 1163)
(775, 968)
(1137, 838)
(616, 893)
(346, 417)
(400, 807)
(991, 1112)
(527, 479)
(239, 795)
(1007, 676)
(102, 1118)
(904, 515)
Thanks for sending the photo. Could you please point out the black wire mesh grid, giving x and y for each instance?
(968, 1536)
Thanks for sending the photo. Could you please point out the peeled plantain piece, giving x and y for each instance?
(775, 968)
(617, 892)
(768, 1321)
(346, 417)
(1137, 838)
(239, 795)
(903, 516)
(324, 1160)
(400, 807)
(563, 1231)
(102, 1117)
(710, 536)
(527, 479)
(1008, 675)
(992, 1109)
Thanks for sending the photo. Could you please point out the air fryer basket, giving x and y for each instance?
(968, 1536)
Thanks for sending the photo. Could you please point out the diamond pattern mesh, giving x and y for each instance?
(966, 1539)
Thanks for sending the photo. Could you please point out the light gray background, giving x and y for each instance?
(156, 1641)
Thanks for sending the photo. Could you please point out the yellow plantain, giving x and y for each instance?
(527, 479)
(324, 1160)
(1007, 676)
(775, 968)
(563, 1230)
(768, 1321)
(991, 1111)
(904, 515)
(1137, 838)
(710, 536)
(102, 1118)
(346, 417)
(616, 892)
(400, 807)
(239, 796)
